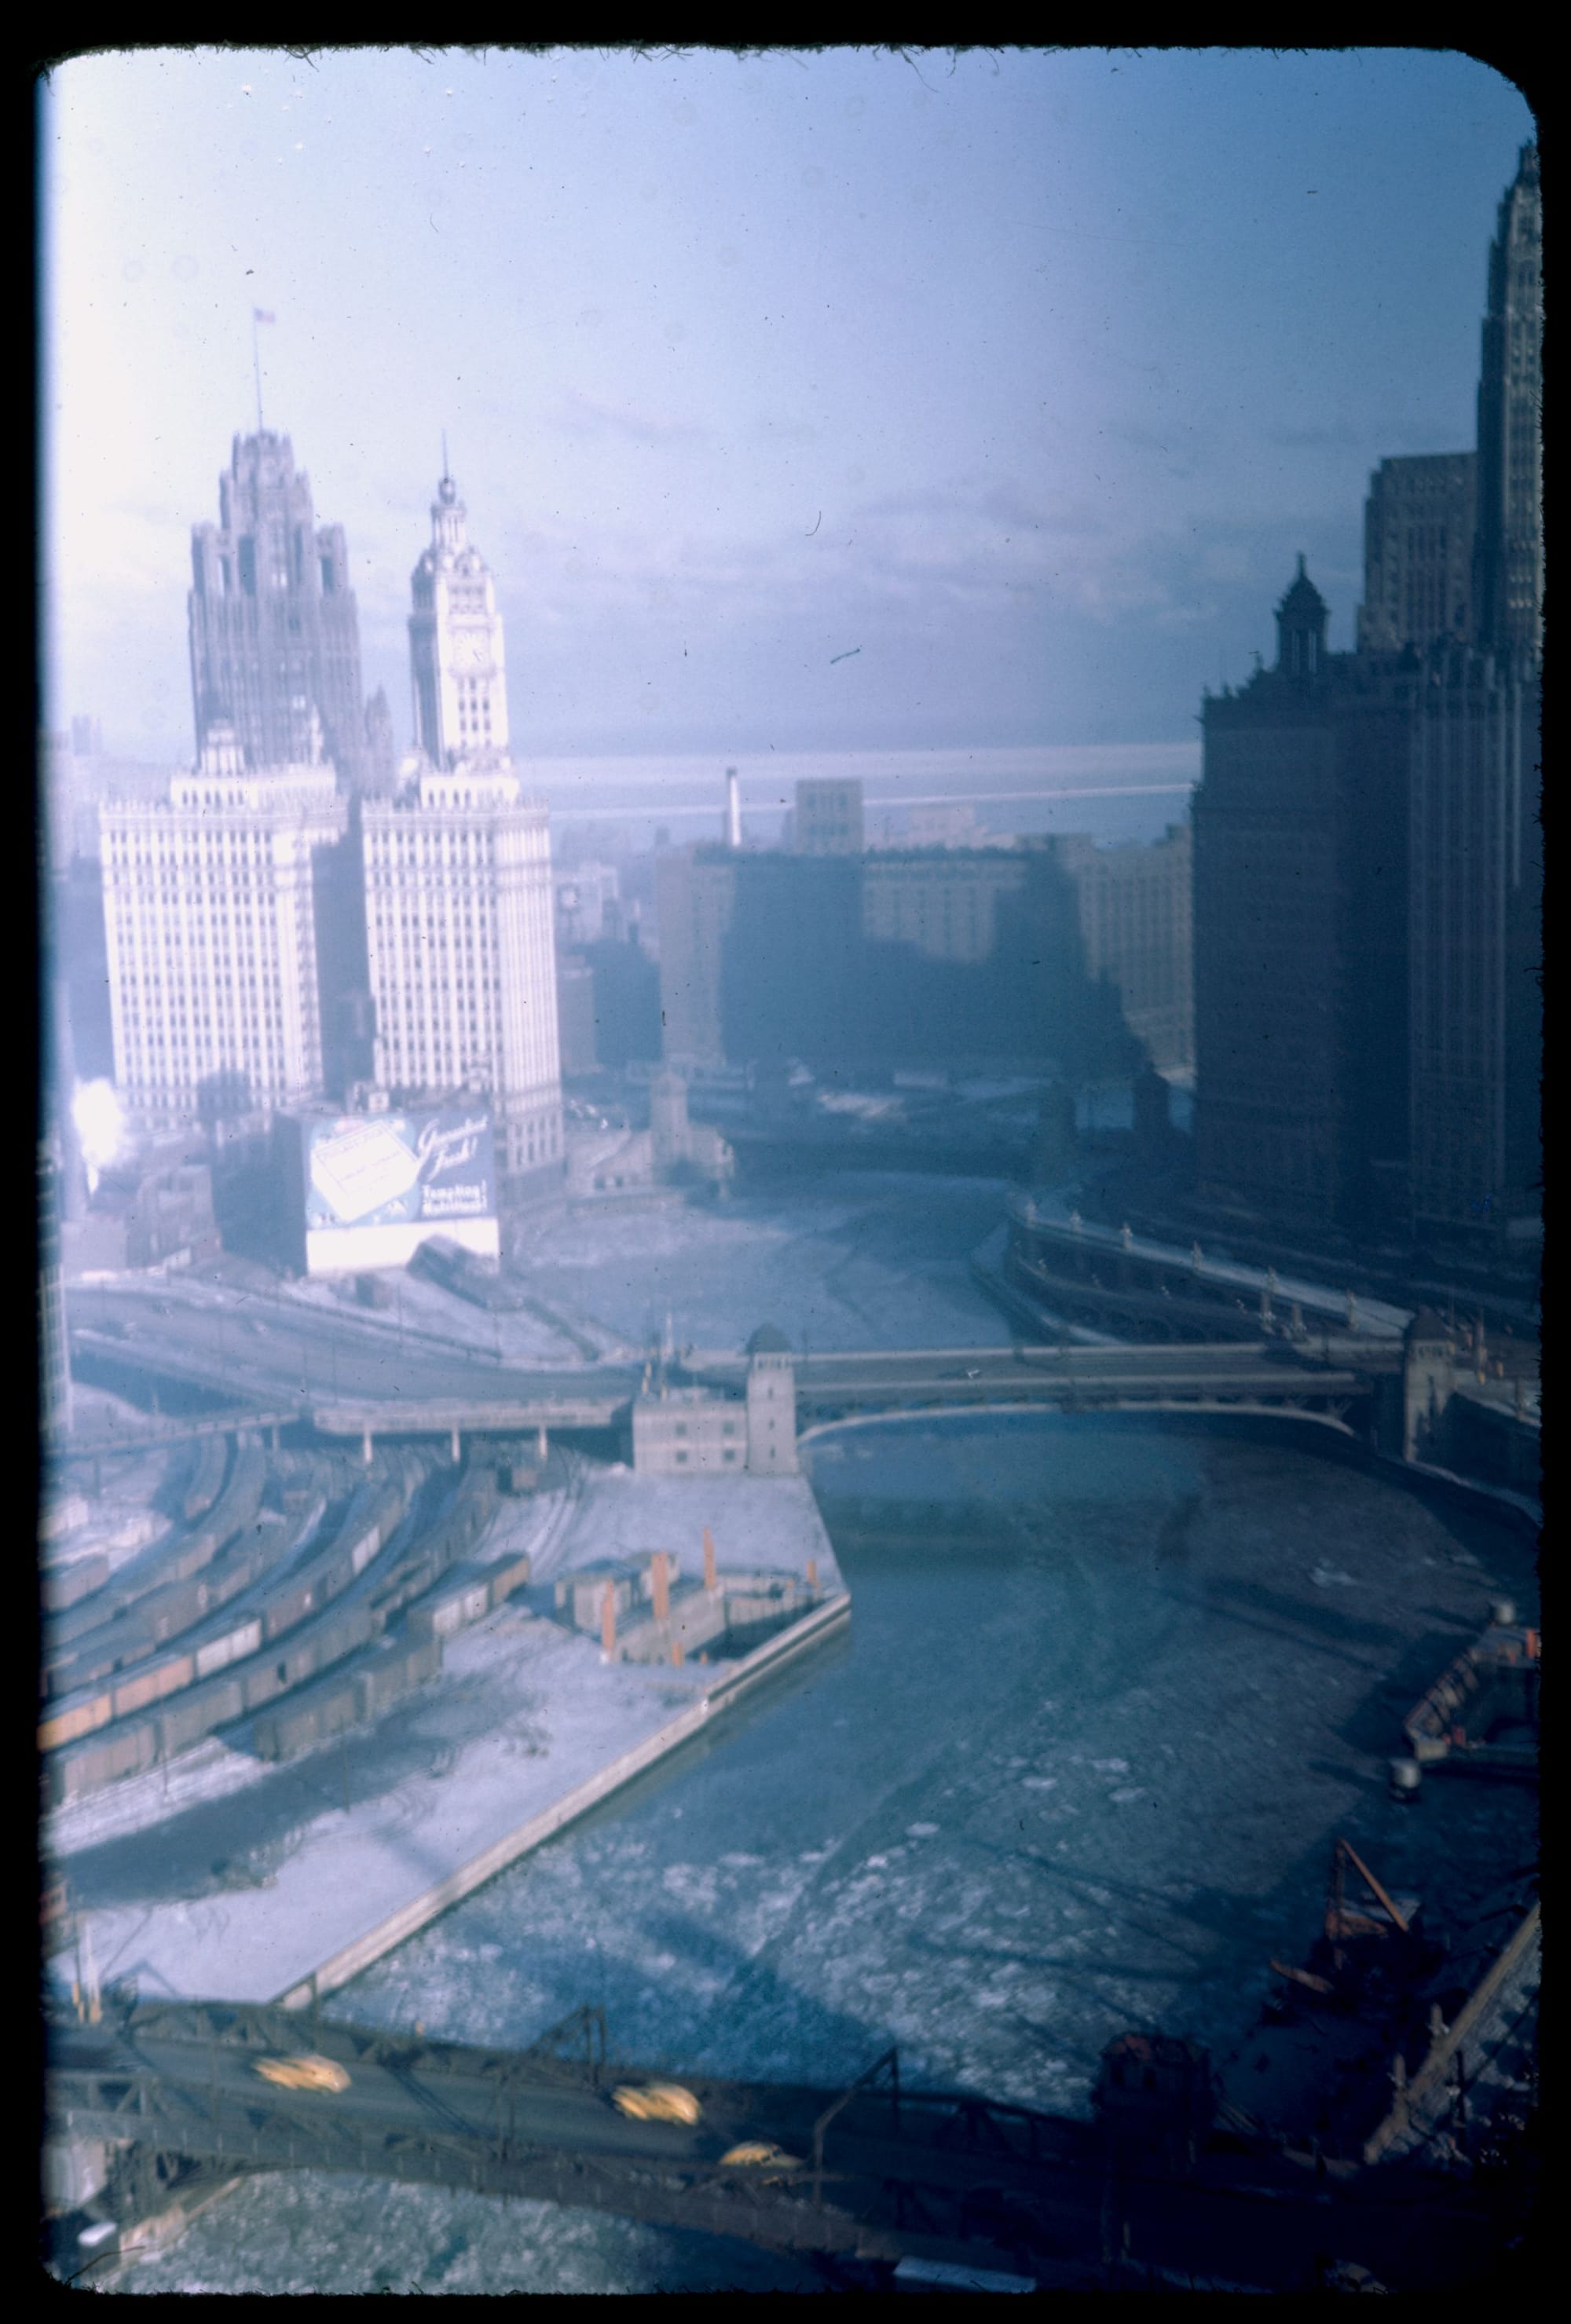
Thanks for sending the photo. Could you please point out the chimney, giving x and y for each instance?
(733, 810)
(708, 1559)
(663, 1603)
(608, 1619)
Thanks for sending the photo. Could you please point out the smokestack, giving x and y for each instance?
(733, 810)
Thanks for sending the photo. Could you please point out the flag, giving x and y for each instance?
(259, 316)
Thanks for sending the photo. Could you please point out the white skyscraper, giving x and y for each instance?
(456, 658)
(459, 914)
(209, 916)
(459, 943)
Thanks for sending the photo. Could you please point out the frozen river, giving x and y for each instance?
(864, 1259)
(1111, 1692)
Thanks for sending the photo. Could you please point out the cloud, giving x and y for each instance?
(588, 415)
(1337, 436)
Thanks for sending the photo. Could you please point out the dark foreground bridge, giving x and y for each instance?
(877, 2173)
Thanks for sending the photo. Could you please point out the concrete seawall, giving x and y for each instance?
(420, 1911)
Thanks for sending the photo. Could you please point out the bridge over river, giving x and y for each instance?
(360, 1381)
(874, 2173)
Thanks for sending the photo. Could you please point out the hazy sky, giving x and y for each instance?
(1026, 375)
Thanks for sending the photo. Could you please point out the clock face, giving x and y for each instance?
(470, 649)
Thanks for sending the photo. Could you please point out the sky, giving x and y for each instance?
(857, 401)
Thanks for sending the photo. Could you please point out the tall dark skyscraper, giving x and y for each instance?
(1418, 552)
(1368, 858)
(1476, 889)
(1300, 932)
(1509, 554)
(274, 634)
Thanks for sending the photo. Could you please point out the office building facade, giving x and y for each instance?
(1476, 1004)
(1419, 525)
(827, 819)
(1137, 924)
(460, 953)
(1508, 556)
(211, 909)
(1300, 922)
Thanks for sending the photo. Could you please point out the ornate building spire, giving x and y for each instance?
(1301, 619)
(458, 661)
(1508, 549)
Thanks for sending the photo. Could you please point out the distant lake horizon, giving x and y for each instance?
(1111, 791)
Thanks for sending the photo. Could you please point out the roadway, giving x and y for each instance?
(1182, 1372)
(933, 2173)
(354, 1374)
(276, 1353)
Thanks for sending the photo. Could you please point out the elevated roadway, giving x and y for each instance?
(875, 2172)
(356, 1379)
(1250, 1374)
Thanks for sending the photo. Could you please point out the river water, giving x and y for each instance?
(1112, 1689)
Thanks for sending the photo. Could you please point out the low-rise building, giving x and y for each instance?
(614, 1167)
(690, 1432)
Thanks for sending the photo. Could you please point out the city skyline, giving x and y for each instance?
(1010, 564)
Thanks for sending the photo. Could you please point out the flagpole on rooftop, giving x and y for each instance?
(258, 314)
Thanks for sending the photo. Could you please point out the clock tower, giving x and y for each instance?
(457, 660)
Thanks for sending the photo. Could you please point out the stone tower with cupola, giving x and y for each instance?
(456, 658)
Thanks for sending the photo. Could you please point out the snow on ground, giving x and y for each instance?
(1077, 1766)
(524, 1712)
(860, 1261)
(424, 1311)
(755, 1522)
(121, 1520)
(213, 1770)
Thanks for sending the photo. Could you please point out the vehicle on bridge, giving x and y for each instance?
(760, 2155)
(310, 2073)
(656, 2102)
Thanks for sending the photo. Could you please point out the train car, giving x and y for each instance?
(128, 1751)
(462, 1272)
(212, 1458)
(369, 1523)
(281, 1667)
(234, 1510)
(348, 1699)
(166, 1676)
(240, 1670)
(67, 1585)
(72, 1721)
(190, 1718)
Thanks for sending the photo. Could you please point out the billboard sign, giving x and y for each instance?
(425, 1165)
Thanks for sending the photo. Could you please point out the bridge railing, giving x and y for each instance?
(888, 2064)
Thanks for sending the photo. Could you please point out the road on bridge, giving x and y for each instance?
(920, 2172)
(275, 1352)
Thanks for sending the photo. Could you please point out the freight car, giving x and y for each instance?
(176, 1560)
(428, 1559)
(372, 1516)
(347, 1699)
(137, 1631)
(209, 1696)
(68, 1585)
(207, 1475)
